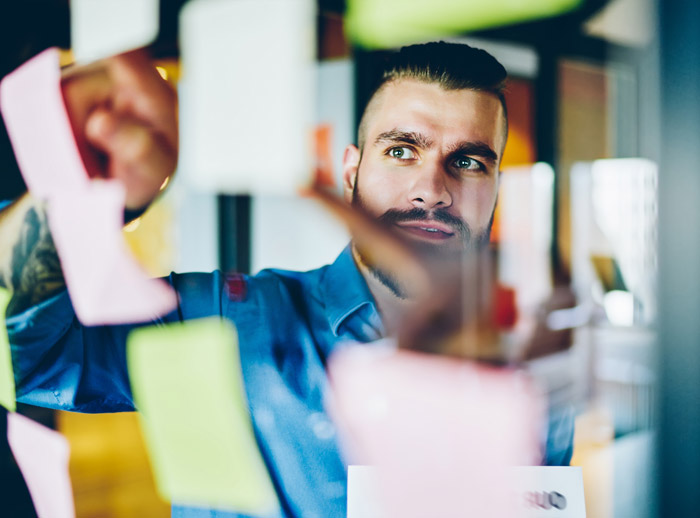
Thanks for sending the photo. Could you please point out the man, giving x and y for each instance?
(427, 161)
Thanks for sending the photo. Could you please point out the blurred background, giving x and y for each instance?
(595, 230)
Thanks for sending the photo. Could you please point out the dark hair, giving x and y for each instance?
(453, 66)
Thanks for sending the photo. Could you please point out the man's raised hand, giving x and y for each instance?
(124, 118)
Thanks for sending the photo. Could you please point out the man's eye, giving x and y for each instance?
(402, 153)
(464, 162)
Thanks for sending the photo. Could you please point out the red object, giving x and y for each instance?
(505, 313)
(236, 287)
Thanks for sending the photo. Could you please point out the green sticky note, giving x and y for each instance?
(188, 387)
(7, 377)
(392, 23)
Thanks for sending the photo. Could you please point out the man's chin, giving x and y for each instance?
(440, 258)
(438, 252)
(435, 258)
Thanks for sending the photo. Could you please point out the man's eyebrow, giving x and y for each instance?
(404, 137)
(475, 148)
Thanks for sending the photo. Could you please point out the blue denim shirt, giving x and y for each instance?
(288, 323)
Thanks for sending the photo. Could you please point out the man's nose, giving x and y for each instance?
(429, 189)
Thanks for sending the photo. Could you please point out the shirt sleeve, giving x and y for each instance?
(559, 445)
(60, 363)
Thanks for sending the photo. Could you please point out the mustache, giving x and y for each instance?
(393, 216)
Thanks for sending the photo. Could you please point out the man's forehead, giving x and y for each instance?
(443, 116)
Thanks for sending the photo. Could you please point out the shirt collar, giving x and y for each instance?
(345, 290)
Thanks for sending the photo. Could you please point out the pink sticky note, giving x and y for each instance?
(39, 128)
(106, 284)
(442, 433)
(42, 456)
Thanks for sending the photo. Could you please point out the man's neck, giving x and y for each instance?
(390, 306)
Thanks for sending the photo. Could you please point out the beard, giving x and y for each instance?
(436, 256)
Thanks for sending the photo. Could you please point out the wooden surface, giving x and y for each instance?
(109, 467)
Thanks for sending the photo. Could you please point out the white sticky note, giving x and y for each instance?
(540, 492)
(103, 28)
(42, 456)
(246, 111)
(545, 491)
(364, 496)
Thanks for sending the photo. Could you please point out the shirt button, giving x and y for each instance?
(323, 429)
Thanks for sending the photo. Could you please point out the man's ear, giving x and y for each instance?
(351, 161)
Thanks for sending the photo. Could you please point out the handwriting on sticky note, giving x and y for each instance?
(42, 456)
(7, 378)
(442, 432)
(105, 283)
(543, 490)
(188, 387)
(537, 491)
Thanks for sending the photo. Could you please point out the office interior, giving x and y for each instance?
(594, 233)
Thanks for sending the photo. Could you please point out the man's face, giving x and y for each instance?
(430, 163)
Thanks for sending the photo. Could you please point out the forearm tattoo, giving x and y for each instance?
(34, 270)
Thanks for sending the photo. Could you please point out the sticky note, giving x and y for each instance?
(42, 456)
(188, 388)
(539, 492)
(442, 432)
(364, 499)
(392, 23)
(246, 95)
(106, 284)
(103, 28)
(14, 494)
(7, 378)
(39, 128)
(544, 490)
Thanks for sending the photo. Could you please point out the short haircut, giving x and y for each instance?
(452, 66)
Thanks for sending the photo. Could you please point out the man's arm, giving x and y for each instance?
(29, 266)
(123, 116)
(124, 121)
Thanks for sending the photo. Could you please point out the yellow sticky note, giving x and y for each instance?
(392, 23)
(188, 388)
(7, 378)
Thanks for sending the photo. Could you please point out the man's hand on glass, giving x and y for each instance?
(124, 118)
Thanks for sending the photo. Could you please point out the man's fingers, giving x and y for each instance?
(140, 91)
(134, 153)
(100, 127)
